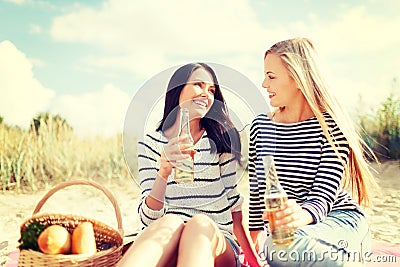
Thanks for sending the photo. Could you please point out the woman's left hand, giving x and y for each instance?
(291, 215)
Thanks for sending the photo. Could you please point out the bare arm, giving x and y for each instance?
(244, 240)
(155, 200)
(254, 238)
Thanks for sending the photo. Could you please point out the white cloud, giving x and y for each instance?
(95, 113)
(150, 36)
(146, 37)
(357, 31)
(359, 51)
(365, 50)
(22, 96)
(186, 27)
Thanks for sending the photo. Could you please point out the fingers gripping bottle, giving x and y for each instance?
(274, 197)
(184, 172)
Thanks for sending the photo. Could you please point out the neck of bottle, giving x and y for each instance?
(185, 124)
(272, 185)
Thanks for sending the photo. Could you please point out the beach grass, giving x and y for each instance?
(37, 158)
(380, 128)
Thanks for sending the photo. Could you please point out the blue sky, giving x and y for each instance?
(86, 59)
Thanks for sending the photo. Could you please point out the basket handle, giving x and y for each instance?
(83, 182)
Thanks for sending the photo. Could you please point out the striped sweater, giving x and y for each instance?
(213, 192)
(307, 166)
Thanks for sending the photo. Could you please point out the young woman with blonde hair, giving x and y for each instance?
(318, 154)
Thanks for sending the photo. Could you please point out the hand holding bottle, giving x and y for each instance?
(290, 216)
(275, 198)
(175, 150)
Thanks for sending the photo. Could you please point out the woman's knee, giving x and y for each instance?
(201, 223)
(157, 244)
(202, 229)
(172, 220)
(169, 220)
(168, 225)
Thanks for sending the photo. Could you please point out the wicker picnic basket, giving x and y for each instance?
(109, 241)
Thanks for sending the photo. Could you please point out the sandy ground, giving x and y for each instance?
(384, 216)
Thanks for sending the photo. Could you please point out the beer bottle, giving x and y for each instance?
(184, 173)
(275, 196)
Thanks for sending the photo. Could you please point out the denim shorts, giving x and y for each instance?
(235, 248)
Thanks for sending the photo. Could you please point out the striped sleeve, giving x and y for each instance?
(256, 205)
(328, 178)
(228, 167)
(148, 165)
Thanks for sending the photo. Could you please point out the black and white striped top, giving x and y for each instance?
(307, 166)
(213, 192)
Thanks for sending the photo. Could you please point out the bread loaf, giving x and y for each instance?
(55, 239)
(83, 239)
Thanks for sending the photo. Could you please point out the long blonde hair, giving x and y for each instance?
(300, 58)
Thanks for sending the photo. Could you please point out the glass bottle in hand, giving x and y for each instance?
(184, 171)
(275, 196)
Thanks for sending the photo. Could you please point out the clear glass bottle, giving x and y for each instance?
(184, 173)
(274, 197)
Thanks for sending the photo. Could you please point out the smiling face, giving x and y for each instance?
(281, 87)
(198, 93)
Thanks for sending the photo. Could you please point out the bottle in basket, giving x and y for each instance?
(274, 197)
(184, 173)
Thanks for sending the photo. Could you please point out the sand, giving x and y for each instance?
(384, 216)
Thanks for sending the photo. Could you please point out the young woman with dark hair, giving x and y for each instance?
(191, 224)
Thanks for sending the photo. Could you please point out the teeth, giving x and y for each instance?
(200, 102)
